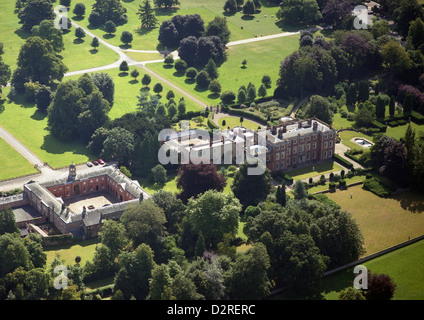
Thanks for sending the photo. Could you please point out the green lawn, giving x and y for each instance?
(262, 57)
(314, 170)
(235, 122)
(346, 136)
(384, 222)
(127, 89)
(319, 188)
(405, 266)
(399, 131)
(29, 125)
(76, 56)
(84, 249)
(12, 164)
(146, 39)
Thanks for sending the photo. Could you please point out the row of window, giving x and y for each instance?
(302, 149)
(302, 140)
(293, 160)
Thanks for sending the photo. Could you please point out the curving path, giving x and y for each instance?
(47, 172)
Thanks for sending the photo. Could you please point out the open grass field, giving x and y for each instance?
(405, 266)
(384, 222)
(146, 39)
(263, 57)
(76, 56)
(399, 131)
(314, 170)
(12, 164)
(84, 249)
(27, 124)
(127, 89)
(235, 122)
(319, 188)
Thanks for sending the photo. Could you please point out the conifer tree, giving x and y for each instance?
(147, 15)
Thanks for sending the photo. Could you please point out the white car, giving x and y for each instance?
(89, 164)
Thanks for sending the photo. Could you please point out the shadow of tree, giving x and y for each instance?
(38, 115)
(78, 41)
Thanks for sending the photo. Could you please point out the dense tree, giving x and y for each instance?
(407, 11)
(43, 98)
(395, 59)
(335, 11)
(118, 143)
(350, 293)
(195, 179)
(34, 12)
(249, 275)
(168, 34)
(230, 6)
(79, 9)
(380, 287)
(126, 37)
(37, 61)
(123, 67)
(79, 33)
(7, 222)
(13, 254)
(146, 15)
(211, 69)
(166, 3)
(95, 43)
(113, 235)
(64, 111)
(135, 272)
(4, 70)
(250, 189)
(218, 27)
(110, 27)
(363, 91)
(110, 10)
(159, 282)
(214, 214)
(293, 12)
(249, 8)
(105, 83)
(188, 49)
(144, 223)
(203, 79)
(380, 108)
(46, 30)
(320, 107)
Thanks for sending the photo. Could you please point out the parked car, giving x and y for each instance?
(89, 164)
(100, 161)
(95, 163)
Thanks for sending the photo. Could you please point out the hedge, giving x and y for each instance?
(211, 124)
(343, 161)
(354, 158)
(379, 125)
(418, 118)
(376, 187)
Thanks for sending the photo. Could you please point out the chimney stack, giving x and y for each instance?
(300, 124)
(315, 126)
(280, 134)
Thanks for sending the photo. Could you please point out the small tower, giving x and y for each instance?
(72, 172)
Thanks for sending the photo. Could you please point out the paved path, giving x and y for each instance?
(272, 36)
(45, 171)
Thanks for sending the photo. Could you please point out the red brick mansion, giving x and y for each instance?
(296, 143)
